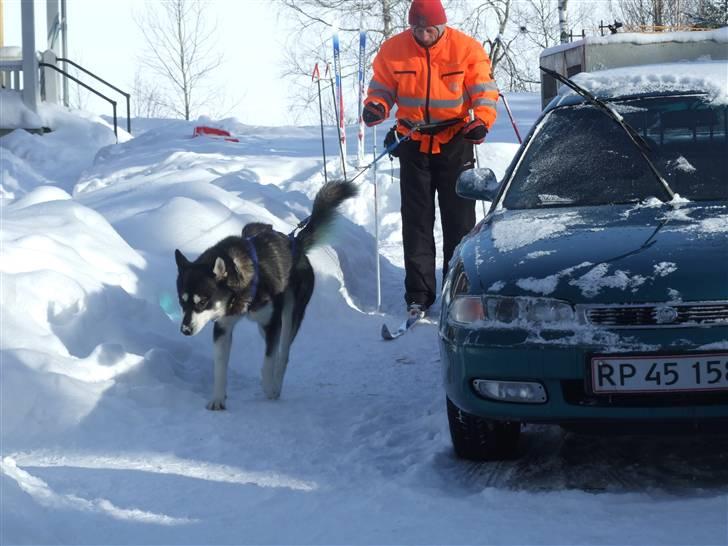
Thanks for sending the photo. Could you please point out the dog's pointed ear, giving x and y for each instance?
(182, 262)
(219, 269)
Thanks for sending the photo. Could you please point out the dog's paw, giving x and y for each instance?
(271, 392)
(216, 405)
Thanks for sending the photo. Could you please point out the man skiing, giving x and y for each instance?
(435, 75)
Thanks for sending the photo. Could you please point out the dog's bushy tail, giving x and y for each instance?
(327, 200)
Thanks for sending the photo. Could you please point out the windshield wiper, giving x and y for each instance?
(633, 135)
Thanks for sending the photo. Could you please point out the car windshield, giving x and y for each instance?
(581, 157)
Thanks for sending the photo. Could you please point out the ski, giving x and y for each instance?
(339, 99)
(362, 54)
(316, 76)
(403, 328)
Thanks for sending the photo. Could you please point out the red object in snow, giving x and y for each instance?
(203, 130)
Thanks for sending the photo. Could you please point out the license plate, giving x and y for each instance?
(636, 374)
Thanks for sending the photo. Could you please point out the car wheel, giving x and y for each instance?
(478, 439)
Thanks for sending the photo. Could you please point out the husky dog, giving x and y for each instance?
(263, 274)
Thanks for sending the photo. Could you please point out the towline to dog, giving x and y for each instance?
(397, 141)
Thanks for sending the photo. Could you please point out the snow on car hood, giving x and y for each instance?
(648, 252)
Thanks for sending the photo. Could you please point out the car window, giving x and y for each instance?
(582, 157)
(689, 143)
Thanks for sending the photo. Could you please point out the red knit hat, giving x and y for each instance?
(427, 13)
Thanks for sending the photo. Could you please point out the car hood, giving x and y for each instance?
(617, 253)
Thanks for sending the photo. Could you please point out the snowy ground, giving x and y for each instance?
(104, 433)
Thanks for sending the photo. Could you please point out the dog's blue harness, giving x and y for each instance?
(253, 254)
(292, 235)
(256, 268)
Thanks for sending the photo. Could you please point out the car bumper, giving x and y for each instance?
(563, 370)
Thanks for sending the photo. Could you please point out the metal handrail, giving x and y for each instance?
(79, 82)
(126, 95)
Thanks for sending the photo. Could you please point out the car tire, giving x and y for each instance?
(478, 439)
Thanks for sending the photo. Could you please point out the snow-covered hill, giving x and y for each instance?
(105, 437)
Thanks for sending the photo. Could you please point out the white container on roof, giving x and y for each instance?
(596, 53)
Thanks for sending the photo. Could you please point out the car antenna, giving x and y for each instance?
(634, 136)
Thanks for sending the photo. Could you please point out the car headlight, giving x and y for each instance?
(456, 282)
(511, 312)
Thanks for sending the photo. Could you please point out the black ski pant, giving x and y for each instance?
(421, 176)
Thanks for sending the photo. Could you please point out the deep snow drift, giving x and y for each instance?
(105, 437)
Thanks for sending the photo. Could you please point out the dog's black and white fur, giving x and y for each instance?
(263, 274)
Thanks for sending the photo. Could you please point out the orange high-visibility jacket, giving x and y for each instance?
(434, 84)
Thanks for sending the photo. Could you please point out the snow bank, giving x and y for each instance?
(54, 158)
(14, 113)
(105, 436)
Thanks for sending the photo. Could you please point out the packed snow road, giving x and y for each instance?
(105, 435)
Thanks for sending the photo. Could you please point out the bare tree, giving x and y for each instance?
(655, 15)
(310, 42)
(513, 33)
(563, 21)
(497, 43)
(78, 97)
(180, 51)
(709, 14)
(381, 18)
(146, 99)
(539, 23)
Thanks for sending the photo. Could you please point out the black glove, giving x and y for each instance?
(390, 138)
(475, 131)
(373, 114)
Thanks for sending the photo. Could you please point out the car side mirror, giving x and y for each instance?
(480, 184)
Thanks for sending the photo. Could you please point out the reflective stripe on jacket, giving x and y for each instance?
(438, 83)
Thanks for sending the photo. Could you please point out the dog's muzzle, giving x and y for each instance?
(186, 329)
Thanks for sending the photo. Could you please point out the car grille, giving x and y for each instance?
(657, 315)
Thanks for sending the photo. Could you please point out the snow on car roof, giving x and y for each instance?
(710, 77)
(718, 35)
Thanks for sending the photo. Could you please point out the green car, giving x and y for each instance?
(595, 290)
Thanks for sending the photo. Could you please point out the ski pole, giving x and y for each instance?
(477, 160)
(340, 98)
(317, 75)
(360, 110)
(376, 223)
(510, 115)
